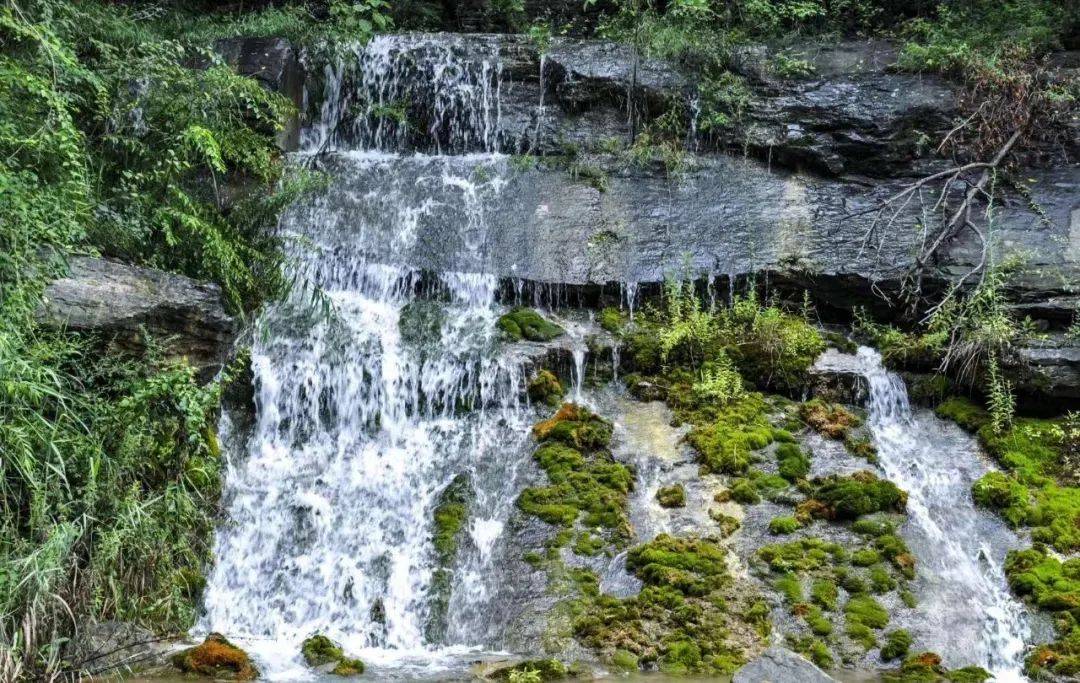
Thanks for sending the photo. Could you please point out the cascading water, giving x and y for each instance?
(966, 611)
(370, 398)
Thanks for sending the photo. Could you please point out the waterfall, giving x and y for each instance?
(377, 383)
(966, 611)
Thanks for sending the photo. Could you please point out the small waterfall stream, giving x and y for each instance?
(966, 611)
(376, 391)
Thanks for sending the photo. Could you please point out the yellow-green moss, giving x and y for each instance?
(217, 658)
(829, 419)
(673, 496)
(544, 387)
(1054, 586)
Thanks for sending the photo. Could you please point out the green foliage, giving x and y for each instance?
(897, 644)
(1000, 400)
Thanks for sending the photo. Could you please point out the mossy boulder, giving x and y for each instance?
(420, 322)
(611, 319)
(862, 493)
(320, 651)
(216, 658)
(1054, 586)
(673, 496)
(793, 461)
(576, 426)
(726, 443)
(927, 667)
(897, 644)
(784, 525)
(525, 323)
(544, 387)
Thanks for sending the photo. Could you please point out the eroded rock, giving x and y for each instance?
(779, 665)
(124, 303)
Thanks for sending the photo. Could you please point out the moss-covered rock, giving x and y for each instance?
(727, 441)
(673, 496)
(586, 484)
(781, 526)
(542, 670)
(926, 667)
(544, 387)
(611, 319)
(320, 651)
(216, 658)
(897, 644)
(862, 493)
(794, 463)
(525, 323)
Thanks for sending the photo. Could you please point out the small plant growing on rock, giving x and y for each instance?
(828, 419)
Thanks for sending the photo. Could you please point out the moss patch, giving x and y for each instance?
(861, 493)
(525, 323)
(586, 485)
(1053, 586)
(673, 496)
(683, 619)
(216, 657)
(544, 387)
(829, 419)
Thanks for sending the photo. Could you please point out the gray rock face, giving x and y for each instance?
(120, 301)
(112, 647)
(274, 63)
(779, 665)
(851, 115)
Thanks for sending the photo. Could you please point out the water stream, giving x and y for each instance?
(966, 611)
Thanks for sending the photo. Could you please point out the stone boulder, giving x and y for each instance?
(779, 665)
(117, 647)
(121, 302)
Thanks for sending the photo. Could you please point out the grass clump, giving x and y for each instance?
(867, 611)
(216, 657)
(673, 496)
(525, 323)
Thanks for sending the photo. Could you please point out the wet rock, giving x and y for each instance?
(1048, 369)
(274, 63)
(119, 302)
(778, 665)
(117, 646)
(836, 377)
(851, 115)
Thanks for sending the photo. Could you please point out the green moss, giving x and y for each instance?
(862, 493)
(545, 388)
(806, 554)
(673, 496)
(881, 581)
(624, 660)
(588, 545)
(348, 667)
(861, 447)
(909, 599)
(851, 582)
(525, 323)
(743, 491)
(1037, 488)
(866, 610)
(963, 412)
(790, 587)
(1053, 586)
(680, 621)
(865, 558)
(927, 667)
(897, 644)
(586, 484)
(784, 525)
(860, 633)
(871, 527)
(828, 419)
(543, 670)
(451, 512)
(793, 461)
(727, 442)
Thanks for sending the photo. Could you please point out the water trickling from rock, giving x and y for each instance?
(966, 611)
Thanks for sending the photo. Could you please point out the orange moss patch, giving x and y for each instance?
(812, 509)
(828, 419)
(930, 659)
(216, 657)
(568, 412)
